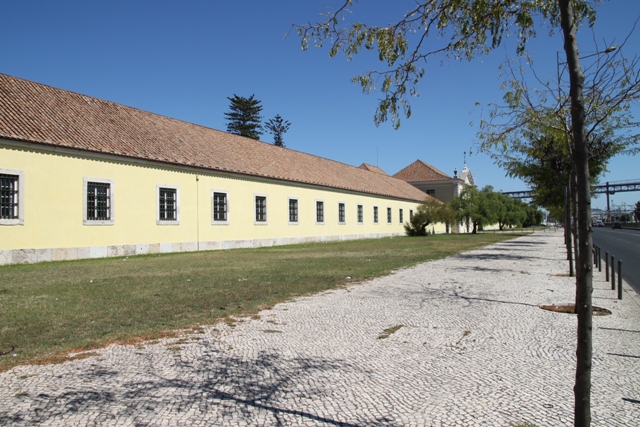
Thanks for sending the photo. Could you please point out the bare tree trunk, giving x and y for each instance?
(574, 216)
(584, 276)
(567, 227)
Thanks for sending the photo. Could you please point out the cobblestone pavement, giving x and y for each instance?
(473, 349)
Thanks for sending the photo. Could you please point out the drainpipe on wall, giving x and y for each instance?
(198, 211)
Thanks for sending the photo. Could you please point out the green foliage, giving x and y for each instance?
(534, 216)
(530, 136)
(487, 207)
(277, 126)
(244, 117)
(428, 212)
(512, 213)
(456, 29)
(478, 208)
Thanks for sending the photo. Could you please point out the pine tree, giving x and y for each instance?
(244, 117)
(277, 127)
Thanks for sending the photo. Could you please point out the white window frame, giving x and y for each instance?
(112, 194)
(226, 195)
(324, 212)
(410, 214)
(297, 221)
(20, 219)
(165, 221)
(266, 209)
(389, 215)
(376, 215)
(401, 215)
(344, 213)
(360, 214)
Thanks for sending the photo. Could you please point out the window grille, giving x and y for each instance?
(261, 209)
(341, 214)
(401, 215)
(293, 210)
(319, 211)
(219, 206)
(98, 201)
(360, 213)
(8, 196)
(389, 215)
(168, 204)
(375, 214)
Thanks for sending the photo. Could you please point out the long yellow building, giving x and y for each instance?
(82, 177)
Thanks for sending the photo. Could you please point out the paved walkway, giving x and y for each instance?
(473, 349)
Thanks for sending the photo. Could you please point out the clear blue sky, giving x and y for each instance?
(182, 59)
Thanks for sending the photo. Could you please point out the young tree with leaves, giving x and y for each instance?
(428, 212)
(512, 213)
(277, 126)
(478, 208)
(529, 135)
(462, 29)
(244, 116)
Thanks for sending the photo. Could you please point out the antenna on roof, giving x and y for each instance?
(465, 157)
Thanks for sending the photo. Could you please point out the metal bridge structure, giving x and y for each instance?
(608, 189)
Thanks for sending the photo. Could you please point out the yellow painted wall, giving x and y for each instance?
(53, 205)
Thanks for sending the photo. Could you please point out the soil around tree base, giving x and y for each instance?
(571, 309)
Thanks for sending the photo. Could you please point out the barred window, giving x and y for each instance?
(341, 213)
(168, 204)
(220, 206)
(375, 214)
(261, 209)
(401, 215)
(9, 196)
(98, 201)
(293, 210)
(319, 211)
(389, 215)
(360, 214)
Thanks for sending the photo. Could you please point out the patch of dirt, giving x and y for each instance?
(571, 309)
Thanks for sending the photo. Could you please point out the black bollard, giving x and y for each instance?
(599, 259)
(619, 279)
(606, 266)
(613, 272)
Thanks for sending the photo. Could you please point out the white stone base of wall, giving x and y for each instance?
(29, 256)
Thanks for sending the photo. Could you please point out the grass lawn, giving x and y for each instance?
(50, 309)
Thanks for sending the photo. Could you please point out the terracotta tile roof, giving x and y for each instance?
(420, 171)
(42, 114)
(372, 168)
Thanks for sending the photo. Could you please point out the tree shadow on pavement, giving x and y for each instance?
(471, 299)
(520, 243)
(212, 387)
(436, 293)
(485, 256)
(483, 269)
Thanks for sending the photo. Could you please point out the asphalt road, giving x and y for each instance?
(624, 245)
